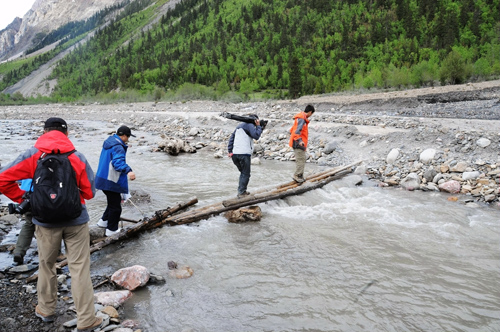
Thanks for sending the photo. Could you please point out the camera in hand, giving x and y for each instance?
(21, 208)
(263, 123)
(248, 118)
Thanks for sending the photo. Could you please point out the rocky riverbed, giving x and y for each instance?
(435, 139)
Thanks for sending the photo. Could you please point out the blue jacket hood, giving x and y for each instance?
(112, 141)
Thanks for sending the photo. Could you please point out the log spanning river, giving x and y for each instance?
(340, 258)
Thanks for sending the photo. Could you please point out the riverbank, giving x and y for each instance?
(418, 139)
(410, 140)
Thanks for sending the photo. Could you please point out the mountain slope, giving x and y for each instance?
(285, 48)
(43, 17)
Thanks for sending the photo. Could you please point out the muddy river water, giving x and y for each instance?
(340, 258)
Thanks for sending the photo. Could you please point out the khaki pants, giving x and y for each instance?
(300, 162)
(77, 243)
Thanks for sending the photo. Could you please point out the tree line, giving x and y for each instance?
(292, 47)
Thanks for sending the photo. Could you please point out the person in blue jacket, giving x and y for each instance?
(240, 148)
(27, 230)
(112, 177)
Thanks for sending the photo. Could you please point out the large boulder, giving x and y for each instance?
(174, 146)
(251, 213)
(131, 277)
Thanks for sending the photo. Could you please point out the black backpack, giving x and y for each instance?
(56, 197)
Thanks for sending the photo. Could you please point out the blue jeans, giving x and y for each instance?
(243, 162)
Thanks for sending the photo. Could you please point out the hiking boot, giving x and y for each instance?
(298, 179)
(111, 233)
(246, 193)
(19, 259)
(45, 318)
(102, 223)
(97, 324)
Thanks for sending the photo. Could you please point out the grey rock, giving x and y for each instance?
(432, 186)
(96, 232)
(427, 156)
(330, 147)
(322, 161)
(194, 131)
(360, 170)
(483, 142)
(255, 161)
(9, 324)
(156, 279)
(258, 148)
(470, 175)
(355, 179)
(411, 181)
(392, 156)
(70, 323)
(23, 268)
(460, 167)
(490, 198)
(430, 174)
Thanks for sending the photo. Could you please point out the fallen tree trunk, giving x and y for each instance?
(158, 219)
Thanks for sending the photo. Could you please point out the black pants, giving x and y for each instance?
(113, 210)
(243, 162)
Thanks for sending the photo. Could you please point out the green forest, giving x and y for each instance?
(285, 48)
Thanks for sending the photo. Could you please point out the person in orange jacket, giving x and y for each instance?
(298, 141)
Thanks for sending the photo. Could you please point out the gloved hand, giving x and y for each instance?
(299, 144)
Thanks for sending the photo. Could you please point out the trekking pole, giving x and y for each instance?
(143, 214)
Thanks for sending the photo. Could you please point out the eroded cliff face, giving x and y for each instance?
(45, 16)
(8, 35)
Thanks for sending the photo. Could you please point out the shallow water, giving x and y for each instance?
(341, 258)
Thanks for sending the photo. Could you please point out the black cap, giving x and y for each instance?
(55, 123)
(124, 130)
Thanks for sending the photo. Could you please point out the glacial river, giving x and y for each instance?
(340, 258)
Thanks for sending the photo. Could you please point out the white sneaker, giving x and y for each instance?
(111, 233)
(102, 223)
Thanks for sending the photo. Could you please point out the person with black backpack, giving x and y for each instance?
(62, 180)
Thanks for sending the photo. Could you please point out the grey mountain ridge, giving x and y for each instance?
(44, 16)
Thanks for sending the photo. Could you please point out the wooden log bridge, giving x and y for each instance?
(314, 181)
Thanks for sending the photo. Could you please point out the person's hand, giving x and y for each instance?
(131, 176)
(301, 143)
(230, 155)
(257, 122)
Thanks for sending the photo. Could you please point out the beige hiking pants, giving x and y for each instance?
(77, 243)
(300, 162)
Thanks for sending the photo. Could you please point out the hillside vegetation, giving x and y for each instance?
(285, 48)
